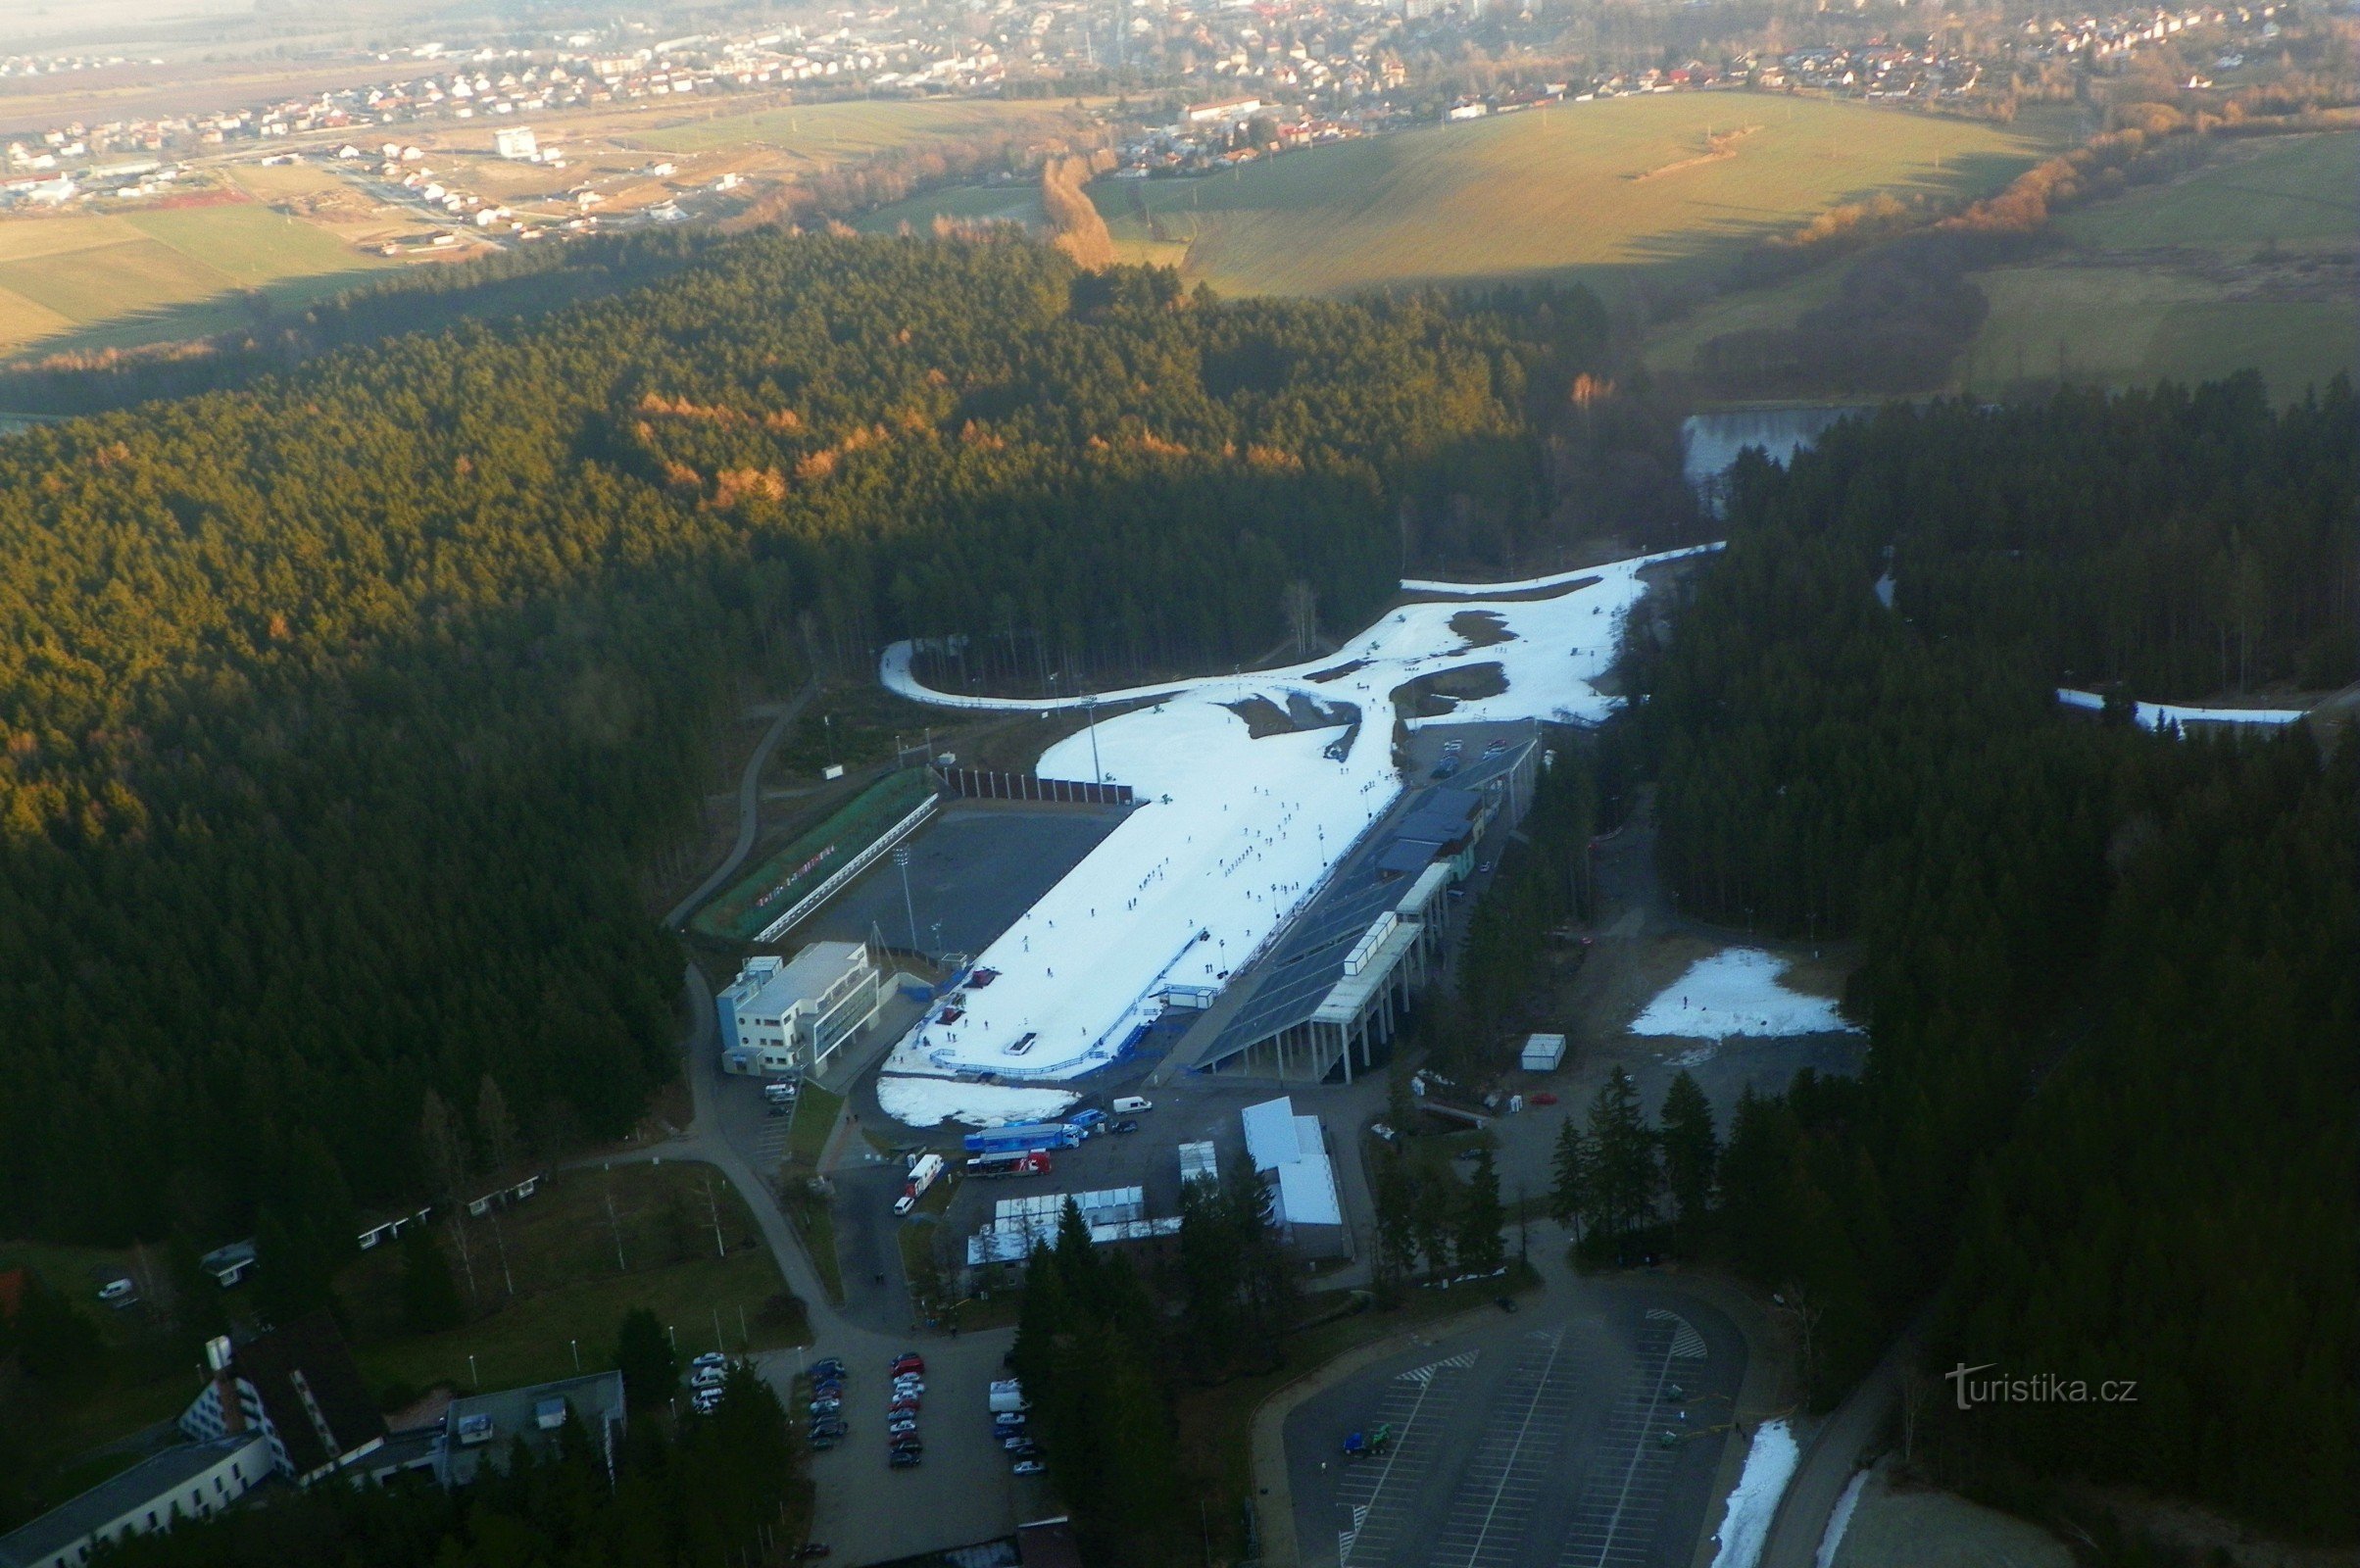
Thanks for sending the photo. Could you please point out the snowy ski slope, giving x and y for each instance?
(1234, 833)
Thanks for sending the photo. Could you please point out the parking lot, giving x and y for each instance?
(973, 870)
(1565, 1440)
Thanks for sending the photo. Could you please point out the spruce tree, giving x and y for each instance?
(1690, 1150)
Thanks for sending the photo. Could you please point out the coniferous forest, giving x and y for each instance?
(339, 711)
(2109, 974)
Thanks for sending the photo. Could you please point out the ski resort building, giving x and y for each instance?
(780, 1018)
(1335, 987)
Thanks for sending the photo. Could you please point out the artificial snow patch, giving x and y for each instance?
(1841, 1520)
(1769, 1466)
(1233, 835)
(1736, 992)
(2155, 715)
(919, 1101)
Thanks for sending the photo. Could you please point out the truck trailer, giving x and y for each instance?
(1032, 1163)
(1022, 1136)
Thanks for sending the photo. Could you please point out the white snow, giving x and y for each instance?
(1234, 834)
(1736, 992)
(1841, 1519)
(1769, 1466)
(2155, 715)
(921, 1101)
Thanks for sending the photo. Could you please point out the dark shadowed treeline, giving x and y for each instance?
(2108, 974)
(339, 715)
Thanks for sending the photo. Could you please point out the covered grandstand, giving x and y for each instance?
(1334, 986)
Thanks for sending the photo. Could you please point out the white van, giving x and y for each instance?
(1132, 1106)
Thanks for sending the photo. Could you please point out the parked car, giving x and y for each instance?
(827, 1407)
(901, 1424)
(907, 1405)
(830, 1430)
(908, 1385)
(811, 1549)
(1026, 1449)
(823, 1367)
(903, 1459)
(1122, 1127)
(707, 1377)
(1028, 1467)
(908, 1361)
(1008, 1420)
(707, 1400)
(119, 1289)
(1542, 1096)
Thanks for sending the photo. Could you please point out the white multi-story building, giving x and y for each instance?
(788, 1018)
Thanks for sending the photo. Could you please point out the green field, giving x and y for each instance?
(1607, 191)
(2247, 264)
(1017, 202)
(2290, 189)
(822, 135)
(114, 279)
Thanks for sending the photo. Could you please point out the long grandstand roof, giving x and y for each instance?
(1302, 971)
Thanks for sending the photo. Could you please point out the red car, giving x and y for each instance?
(1543, 1097)
(908, 1361)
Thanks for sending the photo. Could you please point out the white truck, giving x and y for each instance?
(1008, 1397)
(923, 1173)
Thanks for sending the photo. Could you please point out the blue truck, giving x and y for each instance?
(1023, 1136)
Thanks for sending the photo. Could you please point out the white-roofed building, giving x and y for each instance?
(780, 1018)
(1291, 1152)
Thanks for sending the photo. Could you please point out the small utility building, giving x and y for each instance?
(780, 1018)
(1290, 1153)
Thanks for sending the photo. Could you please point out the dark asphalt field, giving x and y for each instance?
(1534, 1442)
(974, 869)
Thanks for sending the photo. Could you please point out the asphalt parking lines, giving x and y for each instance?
(1513, 1460)
(1614, 1522)
(1381, 1492)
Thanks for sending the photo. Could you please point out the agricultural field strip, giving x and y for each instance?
(1511, 1464)
(1418, 1406)
(1613, 1525)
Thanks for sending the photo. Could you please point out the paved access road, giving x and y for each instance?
(1536, 1441)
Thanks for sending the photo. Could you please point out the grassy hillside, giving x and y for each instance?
(113, 279)
(2247, 264)
(1602, 190)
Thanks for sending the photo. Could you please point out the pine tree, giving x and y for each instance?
(1480, 1217)
(644, 1354)
(1690, 1150)
(1627, 1175)
(1571, 1176)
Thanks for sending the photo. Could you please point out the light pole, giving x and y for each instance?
(1090, 712)
(901, 858)
(576, 1347)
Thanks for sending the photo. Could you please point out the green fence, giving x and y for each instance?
(774, 886)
